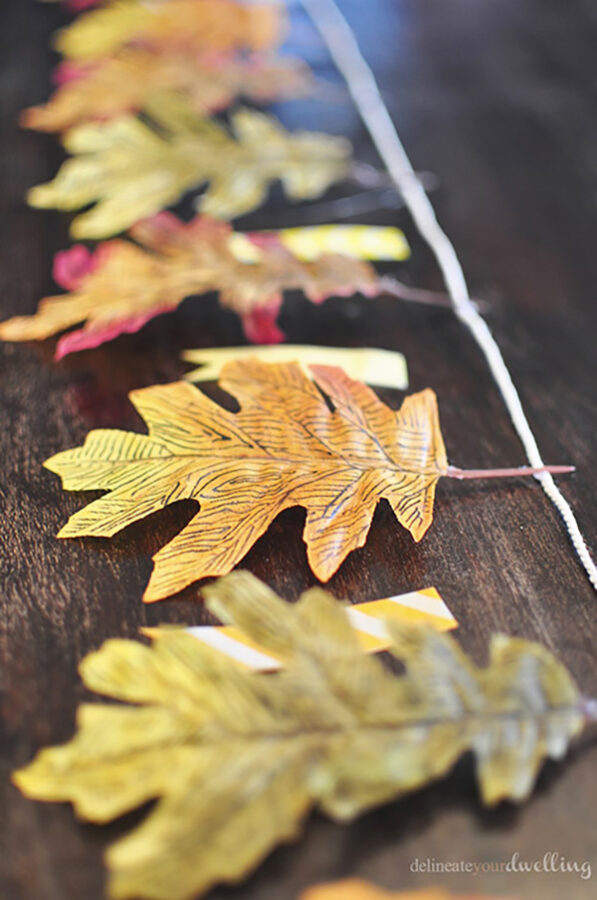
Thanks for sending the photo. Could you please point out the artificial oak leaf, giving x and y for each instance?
(284, 448)
(121, 286)
(355, 889)
(123, 83)
(236, 759)
(131, 170)
(219, 25)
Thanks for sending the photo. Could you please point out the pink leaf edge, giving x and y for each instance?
(89, 339)
(72, 266)
(259, 325)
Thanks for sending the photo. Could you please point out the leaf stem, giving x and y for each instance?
(394, 288)
(517, 472)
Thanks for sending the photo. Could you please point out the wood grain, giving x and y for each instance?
(497, 98)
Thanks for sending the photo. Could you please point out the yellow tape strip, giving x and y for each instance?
(368, 242)
(385, 368)
(367, 619)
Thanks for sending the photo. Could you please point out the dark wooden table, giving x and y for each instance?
(497, 98)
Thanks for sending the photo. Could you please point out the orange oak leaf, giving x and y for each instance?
(355, 889)
(123, 285)
(284, 448)
(125, 82)
(202, 24)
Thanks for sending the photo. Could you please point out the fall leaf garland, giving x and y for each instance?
(284, 448)
(236, 759)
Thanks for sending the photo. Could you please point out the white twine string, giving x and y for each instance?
(361, 83)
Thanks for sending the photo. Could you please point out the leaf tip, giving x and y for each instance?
(38, 196)
(19, 777)
(50, 463)
(156, 591)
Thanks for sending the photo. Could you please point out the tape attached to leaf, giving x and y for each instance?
(370, 242)
(385, 368)
(367, 619)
